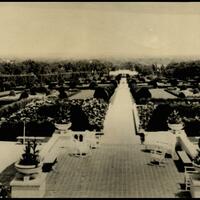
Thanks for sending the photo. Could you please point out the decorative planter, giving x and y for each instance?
(28, 169)
(62, 127)
(196, 166)
(175, 127)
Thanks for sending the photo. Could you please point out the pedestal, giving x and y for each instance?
(25, 187)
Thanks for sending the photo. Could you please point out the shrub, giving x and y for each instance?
(78, 118)
(42, 128)
(142, 96)
(62, 93)
(7, 110)
(189, 113)
(9, 131)
(24, 95)
(182, 95)
(153, 83)
(42, 90)
(93, 85)
(158, 121)
(30, 155)
(118, 78)
(114, 82)
(73, 83)
(174, 118)
(12, 93)
(192, 126)
(145, 114)
(33, 90)
(101, 93)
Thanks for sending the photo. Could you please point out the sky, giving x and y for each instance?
(99, 30)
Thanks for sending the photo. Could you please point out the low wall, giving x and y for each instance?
(48, 147)
(187, 145)
(136, 117)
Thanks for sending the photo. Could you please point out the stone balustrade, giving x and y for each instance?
(187, 145)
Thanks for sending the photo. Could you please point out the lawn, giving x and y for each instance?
(83, 94)
(159, 93)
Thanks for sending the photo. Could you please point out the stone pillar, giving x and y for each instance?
(28, 187)
(195, 186)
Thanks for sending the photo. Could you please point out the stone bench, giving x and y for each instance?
(185, 160)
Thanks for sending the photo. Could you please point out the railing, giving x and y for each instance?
(136, 117)
(187, 145)
(46, 152)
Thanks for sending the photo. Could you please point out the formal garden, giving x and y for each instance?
(158, 93)
(40, 115)
(79, 100)
(154, 116)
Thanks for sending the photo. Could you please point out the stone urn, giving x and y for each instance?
(28, 169)
(62, 127)
(175, 127)
(175, 121)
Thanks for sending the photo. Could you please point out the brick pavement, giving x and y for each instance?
(113, 171)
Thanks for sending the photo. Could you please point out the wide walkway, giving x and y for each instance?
(119, 123)
(119, 167)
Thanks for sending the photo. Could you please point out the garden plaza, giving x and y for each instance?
(120, 167)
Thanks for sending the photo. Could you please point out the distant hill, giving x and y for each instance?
(163, 60)
(116, 61)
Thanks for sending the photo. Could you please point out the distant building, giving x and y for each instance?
(123, 72)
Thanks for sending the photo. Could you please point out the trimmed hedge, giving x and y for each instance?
(158, 120)
(7, 110)
(105, 92)
(10, 130)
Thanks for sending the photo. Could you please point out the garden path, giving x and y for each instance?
(119, 123)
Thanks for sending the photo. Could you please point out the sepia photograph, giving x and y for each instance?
(100, 100)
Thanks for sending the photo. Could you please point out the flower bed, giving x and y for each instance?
(154, 118)
(94, 111)
(41, 117)
(145, 112)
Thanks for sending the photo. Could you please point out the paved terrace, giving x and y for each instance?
(119, 167)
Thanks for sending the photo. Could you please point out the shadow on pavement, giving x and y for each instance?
(179, 165)
(183, 194)
(146, 150)
(8, 174)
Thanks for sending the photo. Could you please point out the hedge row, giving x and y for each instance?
(189, 113)
(141, 94)
(11, 130)
(7, 110)
(105, 92)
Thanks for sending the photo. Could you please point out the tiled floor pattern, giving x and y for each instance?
(113, 171)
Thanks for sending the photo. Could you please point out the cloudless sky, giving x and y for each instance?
(95, 30)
